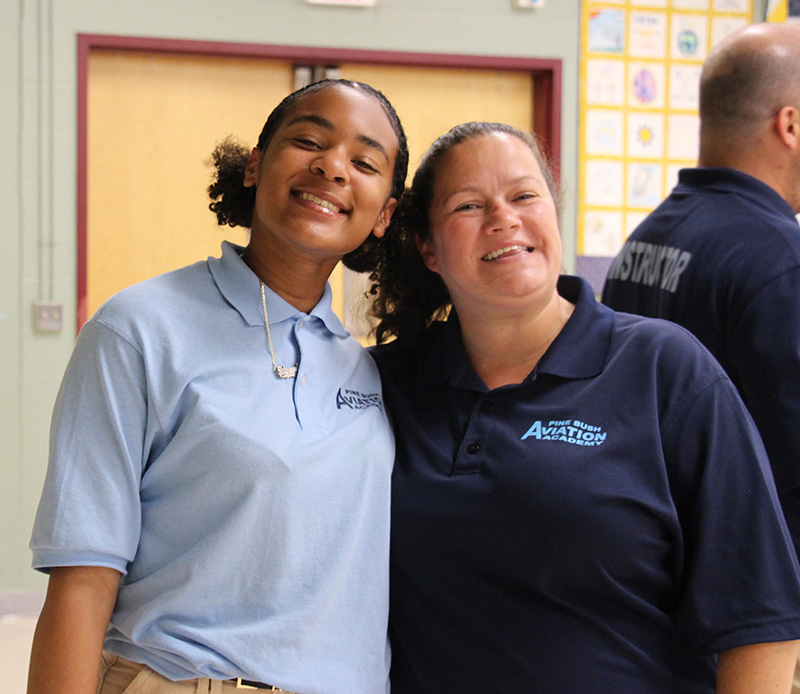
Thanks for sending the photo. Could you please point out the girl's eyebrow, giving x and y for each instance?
(327, 125)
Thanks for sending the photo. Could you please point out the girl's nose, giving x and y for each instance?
(332, 164)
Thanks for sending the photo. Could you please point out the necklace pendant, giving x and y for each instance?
(286, 371)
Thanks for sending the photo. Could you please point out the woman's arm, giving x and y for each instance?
(761, 668)
(68, 642)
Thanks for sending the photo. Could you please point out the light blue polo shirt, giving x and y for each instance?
(249, 514)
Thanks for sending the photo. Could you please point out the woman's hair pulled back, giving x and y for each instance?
(408, 296)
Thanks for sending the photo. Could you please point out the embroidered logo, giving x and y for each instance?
(357, 401)
(567, 430)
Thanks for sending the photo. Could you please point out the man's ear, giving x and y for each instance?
(425, 248)
(253, 167)
(385, 217)
(787, 123)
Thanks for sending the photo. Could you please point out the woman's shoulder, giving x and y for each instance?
(667, 347)
(403, 362)
(402, 350)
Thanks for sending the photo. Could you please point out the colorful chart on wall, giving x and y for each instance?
(640, 72)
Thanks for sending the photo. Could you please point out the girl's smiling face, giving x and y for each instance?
(494, 235)
(323, 183)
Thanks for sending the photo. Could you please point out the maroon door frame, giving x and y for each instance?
(546, 74)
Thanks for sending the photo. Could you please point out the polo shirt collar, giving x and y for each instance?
(582, 347)
(239, 286)
(728, 180)
(580, 350)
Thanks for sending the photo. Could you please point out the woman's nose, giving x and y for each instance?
(502, 216)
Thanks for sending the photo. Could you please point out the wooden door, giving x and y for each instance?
(153, 119)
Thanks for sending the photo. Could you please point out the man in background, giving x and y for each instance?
(721, 255)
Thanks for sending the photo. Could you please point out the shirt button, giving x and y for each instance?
(473, 448)
(487, 406)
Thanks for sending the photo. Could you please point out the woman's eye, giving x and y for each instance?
(466, 207)
(526, 196)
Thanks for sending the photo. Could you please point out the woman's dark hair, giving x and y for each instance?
(233, 203)
(408, 296)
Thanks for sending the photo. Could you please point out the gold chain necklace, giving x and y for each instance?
(282, 371)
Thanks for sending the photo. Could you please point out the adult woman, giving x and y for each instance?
(580, 502)
(208, 492)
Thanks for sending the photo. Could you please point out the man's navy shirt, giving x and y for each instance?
(721, 257)
(605, 526)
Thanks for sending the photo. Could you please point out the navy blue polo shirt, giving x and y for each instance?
(605, 526)
(721, 257)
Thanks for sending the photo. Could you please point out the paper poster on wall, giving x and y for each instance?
(604, 132)
(684, 87)
(647, 35)
(690, 5)
(604, 183)
(671, 176)
(641, 62)
(740, 6)
(646, 85)
(644, 184)
(688, 37)
(722, 26)
(683, 136)
(632, 220)
(605, 82)
(607, 31)
(645, 135)
(602, 232)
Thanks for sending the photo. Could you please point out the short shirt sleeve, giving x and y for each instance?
(740, 579)
(89, 513)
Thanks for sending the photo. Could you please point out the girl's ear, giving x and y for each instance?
(253, 167)
(385, 217)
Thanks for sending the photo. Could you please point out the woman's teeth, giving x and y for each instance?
(502, 251)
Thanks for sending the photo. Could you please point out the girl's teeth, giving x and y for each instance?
(308, 197)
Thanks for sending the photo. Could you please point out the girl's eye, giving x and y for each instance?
(303, 142)
(365, 165)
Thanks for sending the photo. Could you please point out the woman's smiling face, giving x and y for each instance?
(494, 235)
(323, 183)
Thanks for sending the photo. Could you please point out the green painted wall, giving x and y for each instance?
(37, 176)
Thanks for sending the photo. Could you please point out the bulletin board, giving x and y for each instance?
(640, 72)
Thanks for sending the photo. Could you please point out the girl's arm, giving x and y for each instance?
(68, 641)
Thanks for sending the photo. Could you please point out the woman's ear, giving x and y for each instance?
(384, 217)
(253, 167)
(425, 248)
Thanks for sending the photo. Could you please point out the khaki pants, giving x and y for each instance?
(121, 676)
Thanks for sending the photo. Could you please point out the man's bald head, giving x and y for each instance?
(748, 77)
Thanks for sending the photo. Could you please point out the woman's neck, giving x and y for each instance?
(504, 349)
